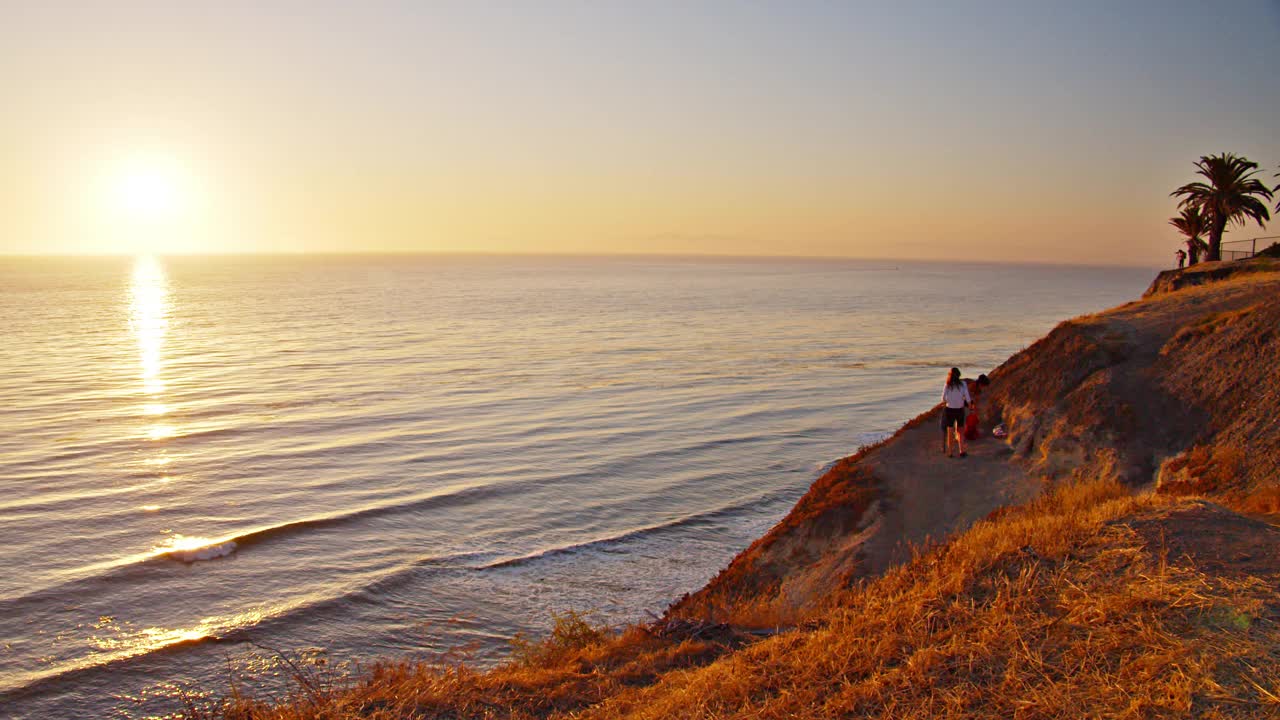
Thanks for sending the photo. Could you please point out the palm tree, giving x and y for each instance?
(1192, 224)
(1227, 197)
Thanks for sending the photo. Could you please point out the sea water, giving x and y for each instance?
(209, 460)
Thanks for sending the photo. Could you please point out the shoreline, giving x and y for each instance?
(852, 546)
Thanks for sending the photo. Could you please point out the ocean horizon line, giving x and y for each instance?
(480, 254)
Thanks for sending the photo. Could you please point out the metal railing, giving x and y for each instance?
(1242, 252)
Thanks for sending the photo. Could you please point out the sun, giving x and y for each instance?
(149, 201)
(149, 189)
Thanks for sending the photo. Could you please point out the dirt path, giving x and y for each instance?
(928, 496)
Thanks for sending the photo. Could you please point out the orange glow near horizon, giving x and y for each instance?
(1052, 134)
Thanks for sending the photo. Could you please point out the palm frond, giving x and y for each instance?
(1251, 208)
(1191, 223)
(1229, 193)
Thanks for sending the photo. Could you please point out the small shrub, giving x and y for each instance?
(570, 634)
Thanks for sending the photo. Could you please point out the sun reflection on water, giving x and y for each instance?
(189, 549)
(180, 543)
(149, 315)
(124, 639)
(159, 432)
(149, 320)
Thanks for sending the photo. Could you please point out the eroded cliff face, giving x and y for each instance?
(1209, 272)
(1180, 389)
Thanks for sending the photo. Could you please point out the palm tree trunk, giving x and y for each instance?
(1215, 239)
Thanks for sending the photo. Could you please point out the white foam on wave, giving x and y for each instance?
(206, 553)
(192, 549)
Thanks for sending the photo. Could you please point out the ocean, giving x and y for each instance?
(210, 462)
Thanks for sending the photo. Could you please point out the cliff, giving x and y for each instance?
(1115, 556)
(1180, 388)
(1210, 272)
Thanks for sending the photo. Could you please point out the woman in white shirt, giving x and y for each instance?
(955, 397)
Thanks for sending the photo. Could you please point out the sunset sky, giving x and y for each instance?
(984, 131)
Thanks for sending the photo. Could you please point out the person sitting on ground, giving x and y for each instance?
(971, 421)
(955, 398)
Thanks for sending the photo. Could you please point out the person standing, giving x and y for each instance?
(955, 398)
(971, 421)
(1182, 257)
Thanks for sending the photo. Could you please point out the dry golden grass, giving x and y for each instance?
(1263, 501)
(1056, 609)
(1200, 470)
(576, 666)
(1208, 325)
